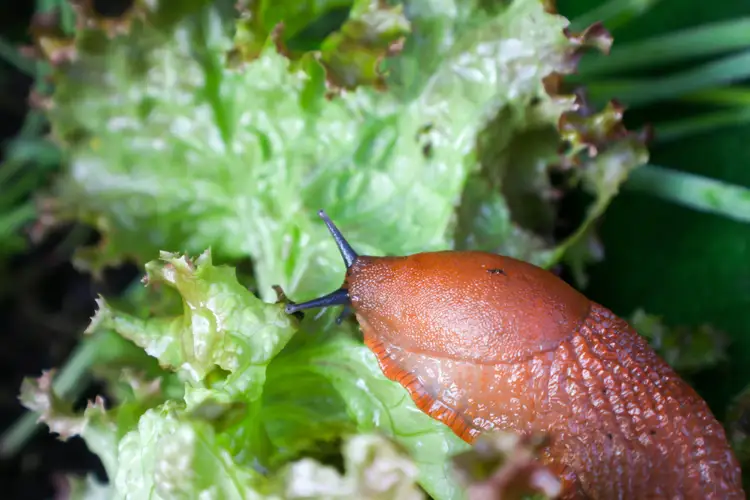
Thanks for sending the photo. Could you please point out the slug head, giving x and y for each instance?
(467, 306)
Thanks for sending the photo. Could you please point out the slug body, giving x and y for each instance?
(485, 342)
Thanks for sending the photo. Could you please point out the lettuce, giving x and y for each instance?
(227, 431)
(171, 148)
(374, 403)
(187, 127)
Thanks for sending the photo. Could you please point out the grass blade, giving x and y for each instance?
(693, 191)
(706, 40)
(701, 124)
(11, 55)
(731, 96)
(632, 93)
(613, 14)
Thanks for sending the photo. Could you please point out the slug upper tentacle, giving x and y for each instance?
(482, 341)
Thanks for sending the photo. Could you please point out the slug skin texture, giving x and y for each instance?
(482, 342)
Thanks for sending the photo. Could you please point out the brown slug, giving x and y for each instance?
(482, 342)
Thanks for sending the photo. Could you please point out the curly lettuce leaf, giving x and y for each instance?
(171, 457)
(259, 18)
(94, 425)
(172, 452)
(209, 441)
(374, 470)
(352, 55)
(171, 149)
(281, 396)
(372, 403)
(223, 325)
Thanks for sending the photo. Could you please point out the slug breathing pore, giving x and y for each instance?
(485, 342)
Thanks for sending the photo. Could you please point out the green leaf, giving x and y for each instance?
(374, 403)
(252, 153)
(374, 470)
(94, 425)
(115, 361)
(519, 219)
(170, 457)
(694, 191)
(223, 325)
(259, 18)
(220, 345)
(642, 91)
(353, 55)
(705, 40)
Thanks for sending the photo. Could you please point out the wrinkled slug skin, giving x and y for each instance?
(485, 342)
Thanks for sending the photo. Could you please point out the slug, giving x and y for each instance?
(483, 342)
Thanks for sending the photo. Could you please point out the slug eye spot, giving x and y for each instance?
(609, 436)
(497, 271)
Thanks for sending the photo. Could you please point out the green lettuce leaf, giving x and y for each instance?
(170, 457)
(372, 402)
(259, 18)
(171, 149)
(224, 326)
(94, 425)
(374, 470)
(220, 345)
(272, 396)
(351, 55)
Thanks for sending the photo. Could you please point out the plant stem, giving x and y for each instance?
(700, 124)
(640, 92)
(67, 384)
(692, 191)
(706, 40)
(613, 14)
